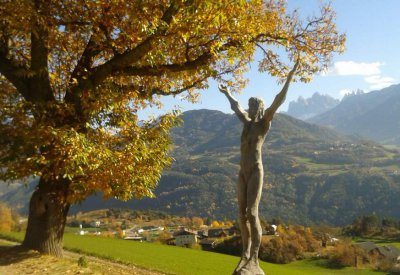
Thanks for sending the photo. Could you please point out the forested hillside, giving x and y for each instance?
(312, 174)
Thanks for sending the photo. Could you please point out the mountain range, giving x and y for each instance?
(312, 174)
(374, 115)
(305, 108)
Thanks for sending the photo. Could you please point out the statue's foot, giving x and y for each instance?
(245, 271)
(242, 262)
(251, 268)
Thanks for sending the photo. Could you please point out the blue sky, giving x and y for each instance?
(371, 60)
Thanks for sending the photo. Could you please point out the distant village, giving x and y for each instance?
(155, 227)
(205, 235)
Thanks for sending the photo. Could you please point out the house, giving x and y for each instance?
(270, 230)
(385, 252)
(208, 244)
(151, 228)
(367, 246)
(170, 241)
(135, 238)
(217, 233)
(234, 230)
(95, 224)
(148, 228)
(185, 238)
(202, 234)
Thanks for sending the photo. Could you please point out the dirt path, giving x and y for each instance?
(14, 260)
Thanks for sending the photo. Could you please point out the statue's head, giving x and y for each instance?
(256, 108)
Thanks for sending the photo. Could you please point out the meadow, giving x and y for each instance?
(176, 260)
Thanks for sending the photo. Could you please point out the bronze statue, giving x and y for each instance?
(256, 123)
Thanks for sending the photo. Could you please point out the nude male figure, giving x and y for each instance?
(256, 123)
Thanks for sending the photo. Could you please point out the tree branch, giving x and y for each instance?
(156, 91)
(265, 37)
(82, 68)
(72, 23)
(15, 74)
(129, 57)
(159, 70)
(280, 98)
(39, 83)
(178, 91)
(106, 33)
(162, 69)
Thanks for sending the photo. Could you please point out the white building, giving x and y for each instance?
(185, 238)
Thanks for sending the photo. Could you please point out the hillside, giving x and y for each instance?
(373, 115)
(313, 174)
(306, 108)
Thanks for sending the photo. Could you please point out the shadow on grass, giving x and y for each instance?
(15, 254)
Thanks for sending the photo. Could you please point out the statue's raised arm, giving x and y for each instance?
(280, 98)
(235, 106)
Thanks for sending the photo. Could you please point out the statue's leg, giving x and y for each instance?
(254, 189)
(243, 222)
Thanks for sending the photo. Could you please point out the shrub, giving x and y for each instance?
(345, 254)
(107, 234)
(386, 266)
(195, 246)
(291, 244)
(163, 237)
(6, 219)
(231, 246)
(82, 261)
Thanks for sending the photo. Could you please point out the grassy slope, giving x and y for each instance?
(176, 260)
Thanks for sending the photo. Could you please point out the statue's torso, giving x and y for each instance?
(252, 139)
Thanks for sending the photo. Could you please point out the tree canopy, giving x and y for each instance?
(75, 73)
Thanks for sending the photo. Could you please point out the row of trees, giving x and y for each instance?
(74, 74)
(372, 224)
(129, 218)
(291, 242)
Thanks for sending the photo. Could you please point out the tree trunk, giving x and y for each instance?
(48, 211)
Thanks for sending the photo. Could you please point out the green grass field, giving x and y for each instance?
(176, 260)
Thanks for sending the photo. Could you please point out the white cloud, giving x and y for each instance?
(371, 72)
(379, 82)
(354, 68)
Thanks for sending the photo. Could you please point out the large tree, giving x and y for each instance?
(74, 74)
